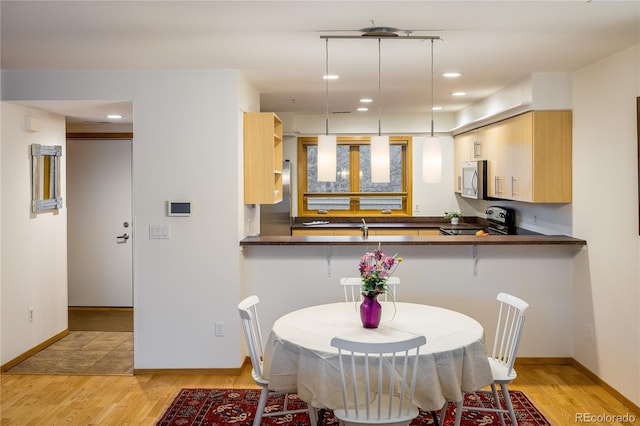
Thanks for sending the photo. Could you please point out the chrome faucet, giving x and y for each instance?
(365, 229)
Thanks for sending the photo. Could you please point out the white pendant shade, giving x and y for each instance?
(380, 160)
(327, 158)
(432, 160)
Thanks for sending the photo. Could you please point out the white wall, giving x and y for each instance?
(249, 99)
(34, 255)
(605, 173)
(183, 285)
(537, 91)
(435, 275)
(1, 235)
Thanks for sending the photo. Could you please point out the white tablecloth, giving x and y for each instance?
(298, 354)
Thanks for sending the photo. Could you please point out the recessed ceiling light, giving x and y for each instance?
(451, 74)
(330, 77)
(114, 116)
(436, 108)
(363, 109)
(458, 93)
(366, 100)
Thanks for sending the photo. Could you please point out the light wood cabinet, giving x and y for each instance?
(324, 232)
(529, 157)
(430, 231)
(395, 232)
(349, 232)
(533, 158)
(495, 136)
(312, 232)
(518, 153)
(262, 158)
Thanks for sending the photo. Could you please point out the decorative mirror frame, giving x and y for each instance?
(45, 177)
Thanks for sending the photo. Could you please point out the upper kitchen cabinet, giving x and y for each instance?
(467, 147)
(262, 158)
(530, 157)
(497, 135)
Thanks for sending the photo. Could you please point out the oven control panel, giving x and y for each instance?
(502, 215)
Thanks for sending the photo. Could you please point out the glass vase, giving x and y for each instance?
(370, 311)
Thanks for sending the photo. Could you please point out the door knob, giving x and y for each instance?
(123, 236)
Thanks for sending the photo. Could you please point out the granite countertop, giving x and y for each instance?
(537, 239)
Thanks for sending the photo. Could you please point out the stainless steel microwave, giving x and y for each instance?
(474, 179)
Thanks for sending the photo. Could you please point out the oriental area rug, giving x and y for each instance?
(217, 407)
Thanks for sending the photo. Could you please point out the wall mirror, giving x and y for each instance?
(45, 177)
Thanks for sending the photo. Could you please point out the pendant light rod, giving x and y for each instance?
(379, 91)
(432, 147)
(326, 88)
(327, 154)
(432, 87)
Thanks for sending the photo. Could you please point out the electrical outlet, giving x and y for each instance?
(590, 332)
(30, 313)
(219, 329)
(417, 209)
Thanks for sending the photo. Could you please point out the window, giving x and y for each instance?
(354, 197)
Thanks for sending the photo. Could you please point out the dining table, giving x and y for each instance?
(298, 352)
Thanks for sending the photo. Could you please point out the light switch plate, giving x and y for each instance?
(159, 232)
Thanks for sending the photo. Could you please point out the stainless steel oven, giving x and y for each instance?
(502, 220)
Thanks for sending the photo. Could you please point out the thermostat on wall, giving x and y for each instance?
(178, 208)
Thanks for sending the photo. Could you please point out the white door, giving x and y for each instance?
(99, 223)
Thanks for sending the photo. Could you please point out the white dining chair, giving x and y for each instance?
(378, 381)
(251, 326)
(505, 347)
(351, 287)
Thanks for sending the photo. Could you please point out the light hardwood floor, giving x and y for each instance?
(560, 391)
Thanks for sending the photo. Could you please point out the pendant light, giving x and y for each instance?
(432, 147)
(327, 145)
(380, 160)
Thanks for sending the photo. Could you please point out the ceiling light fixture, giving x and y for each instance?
(114, 116)
(458, 93)
(366, 100)
(380, 167)
(380, 164)
(451, 74)
(432, 148)
(327, 145)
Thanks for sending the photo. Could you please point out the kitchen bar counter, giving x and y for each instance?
(412, 240)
